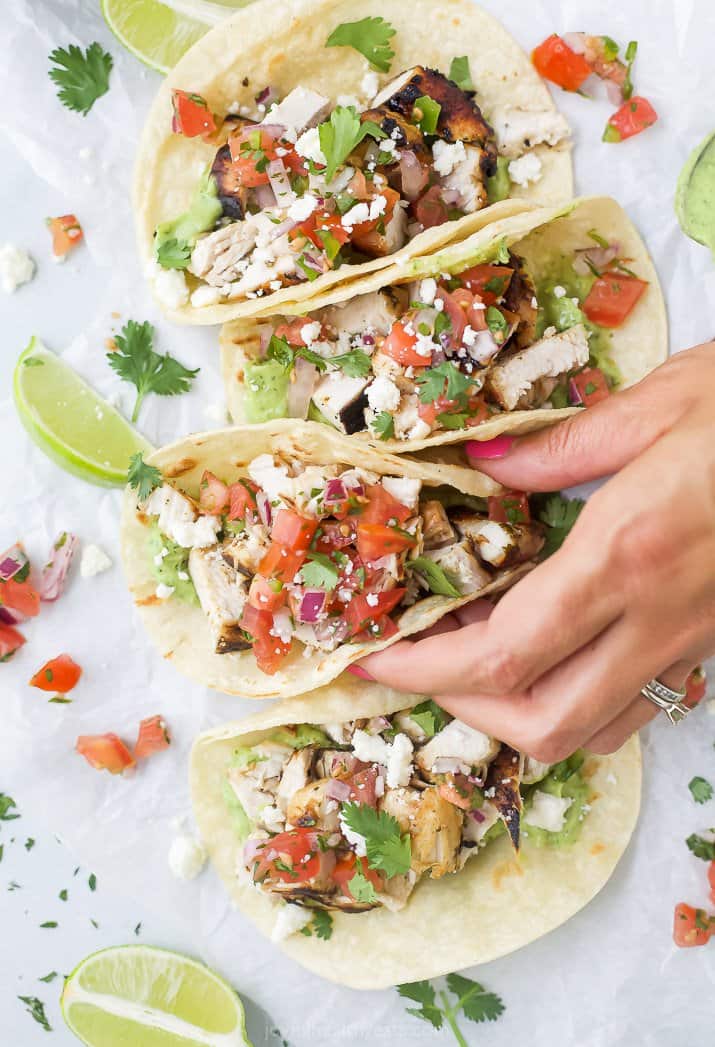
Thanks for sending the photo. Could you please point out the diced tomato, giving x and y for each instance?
(213, 493)
(399, 346)
(458, 790)
(363, 786)
(269, 651)
(478, 412)
(634, 116)
(336, 535)
(290, 857)
(509, 507)
(592, 386)
(10, 641)
(691, 926)
(153, 737)
(455, 306)
(711, 881)
(612, 298)
(59, 675)
(383, 628)
(292, 332)
(695, 686)
(490, 282)
(361, 611)
(376, 540)
(382, 507)
(362, 229)
(266, 595)
(293, 531)
(252, 149)
(321, 222)
(345, 870)
(66, 234)
(429, 412)
(105, 752)
(555, 61)
(241, 499)
(20, 596)
(431, 210)
(192, 115)
(281, 563)
(256, 622)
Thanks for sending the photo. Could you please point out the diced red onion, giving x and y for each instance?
(576, 41)
(264, 508)
(11, 562)
(337, 790)
(451, 196)
(264, 196)
(272, 130)
(253, 849)
(335, 491)
(54, 573)
(11, 617)
(280, 183)
(331, 630)
(355, 484)
(283, 227)
(477, 816)
(414, 175)
(311, 606)
(300, 388)
(475, 779)
(317, 262)
(599, 257)
(368, 339)
(267, 96)
(344, 763)
(574, 394)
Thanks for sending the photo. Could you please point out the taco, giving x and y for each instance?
(266, 559)
(345, 839)
(516, 327)
(278, 162)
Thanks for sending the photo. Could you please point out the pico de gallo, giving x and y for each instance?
(291, 555)
(350, 816)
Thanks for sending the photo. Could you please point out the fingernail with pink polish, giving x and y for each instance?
(495, 448)
(357, 670)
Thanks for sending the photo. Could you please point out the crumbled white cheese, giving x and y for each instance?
(163, 592)
(428, 289)
(94, 561)
(272, 478)
(291, 919)
(525, 169)
(310, 332)
(447, 155)
(187, 857)
(395, 756)
(16, 267)
(308, 146)
(404, 489)
(370, 84)
(356, 215)
(303, 207)
(383, 394)
(85, 153)
(461, 742)
(170, 287)
(559, 291)
(710, 706)
(548, 811)
(206, 295)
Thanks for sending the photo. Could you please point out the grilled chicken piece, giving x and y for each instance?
(436, 835)
(510, 382)
(245, 552)
(499, 544)
(300, 108)
(520, 299)
(456, 749)
(222, 594)
(215, 255)
(474, 831)
(252, 798)
(378, 243)
(374, 313)
(436, 528)
(468, 178)
(232, 195)
(520, 129)
(342, 400)
(174, 509)
(326, 897)
(400, 130)
(503, 778)
(462, 567)
(334, 763)
(310, 806)
(295, 776)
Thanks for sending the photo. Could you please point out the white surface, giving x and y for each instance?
(611, 976)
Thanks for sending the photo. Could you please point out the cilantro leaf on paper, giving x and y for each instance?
(701, 847)
(422, 993)
(472, 1001)
(370, 36)
(142, 477)
(81, 78)
(700, 789)
(559, 514)
(36, 1009)
(388, 849)
(341, 134)
(135, 361)
(7, 804)
(477, 1004)
(460, 73)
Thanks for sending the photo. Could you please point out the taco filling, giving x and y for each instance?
(325, 555)
(350, 816)
(449, 352)
(302, 186)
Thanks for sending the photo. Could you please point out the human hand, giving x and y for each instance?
(559, 662)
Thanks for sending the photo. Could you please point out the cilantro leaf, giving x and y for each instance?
(460, 73)
(430, 111)
(81, 78)
(452, 421)
(49, 977)
(384, 425)
(173, 254)
(559, 514)
(435, 576)
(422, 993)
(320, 572)
(477, 1004)
(369, 36)
(135, 361)
(6, 805)
(496, 321)
(322, 924)
(432, 383)
(278, 349)
(355, 364)
(341, 134)
(388, 849)
(142, 477)
(361, 888)
(430, 717)
(701, 847)
(312, 358)
(700, 789)
(36, 1009)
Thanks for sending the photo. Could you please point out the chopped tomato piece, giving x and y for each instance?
(430, 412)
(270, 652)
(293, 531)
(20, 596)
(555, 61)
(431, 210)
(490, 282)
(213, 493)
(376, 540)
(612, 298)
(382, 507)
(363, 786)
(478, 412)
(346, 868)
(691, 926)
(290, 857)
(399, 346)
(105, 752)
(66, 234)
(265, 594)
(153, 737)
(455, 307)
(59, 674)
(711, 881)
(10, 641)
(510, 507)
(192, 115)
(241, 499)
(293, 332)
(281, 563)
(591, 386)
(458, 790)
(336, 535)
(634, 116)
(383, 628)
(362, 229)
(695, 686)
(322, 222)
(366, 608)
(255, 621)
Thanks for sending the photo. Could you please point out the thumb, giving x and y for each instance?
(596, 442)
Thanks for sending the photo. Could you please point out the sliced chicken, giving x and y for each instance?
(295, 776)
(461, 566)
(222, 594)
(245, 552)
(436, 835)
(511, 381)
(215, 255)
(520, 299)
(456, 749)
(468, 179)
(503, 790)
(232, 195)
(436, 528)
(372, 313)
(313, 806)
(500, 544)
(299, 109)
(520, 129)
(342, 400)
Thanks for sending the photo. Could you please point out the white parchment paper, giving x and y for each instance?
(611, 977)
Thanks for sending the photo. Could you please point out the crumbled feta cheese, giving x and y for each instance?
(187, 857)
(710, 706)
(206, 295)
(308, 146)
(183, 576)
(303, 207)
(559, 291)
(272, 478)
(459, 741)
(311, 332)
(525, 169)
(395, 756)
(16, 267)
(447, 155)
(428, 289)
(94, 561)
(170, 287)
(383, 394)
(356, 215)
(547, 811)
(163, 592)
(85, 153)
(370, 84)
(404, 489)
(291, 919)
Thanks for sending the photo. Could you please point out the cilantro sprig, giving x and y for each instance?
(701, 848)
(700, 789)
(142, 477)
(319, 572)
(135, 361)
(360, 887)
(444, 379)
(435, 576)
(383, 424)
(36, 1009)
(388, 848)
(321, 925)
(342, 133)
(472, 1001)
(81, 78)
(430, 717)
(559, 514)
(173, 254)
(370, 36)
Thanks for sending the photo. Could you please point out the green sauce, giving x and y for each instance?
(202, 215)
(695, 195)
(167, 571)
(266, 391)
(499, 185)
(562, 780)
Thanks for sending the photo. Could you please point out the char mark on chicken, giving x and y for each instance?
(520, 299)
(231, 194)
(503, 778)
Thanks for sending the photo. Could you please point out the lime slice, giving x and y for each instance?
(135, 994)
(74, 426)
(160, 33)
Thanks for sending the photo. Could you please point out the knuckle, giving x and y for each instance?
(605, 744)
(550, 747)
(501, 670)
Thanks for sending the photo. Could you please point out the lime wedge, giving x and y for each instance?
(74, 426)
(139, 995)
(160, 33)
